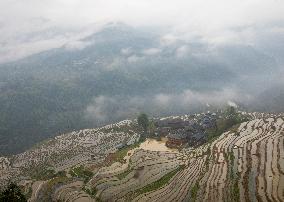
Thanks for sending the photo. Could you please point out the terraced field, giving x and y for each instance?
(68, 150)
(244, 164)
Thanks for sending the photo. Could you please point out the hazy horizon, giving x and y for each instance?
(28, 27)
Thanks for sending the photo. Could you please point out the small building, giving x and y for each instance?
(176, 140)
(193, 127)
(162, 131)
(208, 122)
(176, 123)
(196, 139)
(121, 145)
(173, 123)
(161, 123)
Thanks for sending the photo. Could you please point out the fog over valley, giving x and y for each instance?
(110, 61)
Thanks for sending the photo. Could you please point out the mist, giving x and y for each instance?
(70, 65)
(30, 27)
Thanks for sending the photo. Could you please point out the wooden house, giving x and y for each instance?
(176, 140)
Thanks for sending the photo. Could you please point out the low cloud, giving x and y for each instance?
(105, 109)
(97, 110)
(168, 39)
(151, 51)
(126, 51)
(134, 59)
(15, 47)
(77, 45)
(10, 52)
(218, 22)
(182, 51)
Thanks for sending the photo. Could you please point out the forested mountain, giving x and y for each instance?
(119, 71)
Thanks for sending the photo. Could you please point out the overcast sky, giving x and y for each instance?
(30, 26)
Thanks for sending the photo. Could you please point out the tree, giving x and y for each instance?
(231, 111)
(143, 121)
(152, 127)
(12, 194)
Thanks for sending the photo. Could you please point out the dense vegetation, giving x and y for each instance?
(50, 186)
(45, 174)
(81, 172)
(229, 119)
(143, 122)
(12, 193)
(122, 152)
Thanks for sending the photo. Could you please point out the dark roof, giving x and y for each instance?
(177, 135)
(177, 120)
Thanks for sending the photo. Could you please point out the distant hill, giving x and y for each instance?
(117, 72)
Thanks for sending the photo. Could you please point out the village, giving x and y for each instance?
(115, 162)
(185, 131)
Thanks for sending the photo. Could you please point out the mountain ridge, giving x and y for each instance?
(93, 82)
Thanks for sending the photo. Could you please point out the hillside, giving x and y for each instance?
(243, 164)
(120, 70)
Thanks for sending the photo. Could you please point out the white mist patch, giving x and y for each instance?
(182, 51)
(151, 51)
(232, 104)
(134, 59)
(117, 107)
(126, 51)
(77, 45)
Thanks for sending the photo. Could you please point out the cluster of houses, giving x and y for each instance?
(191, 131)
